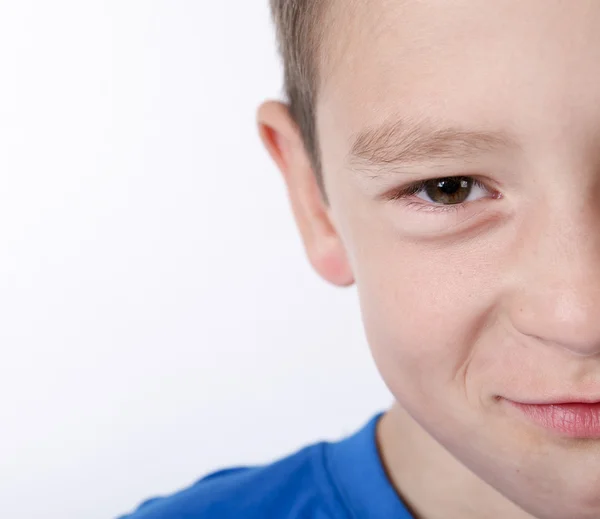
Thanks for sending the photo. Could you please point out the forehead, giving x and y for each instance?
(465, 63)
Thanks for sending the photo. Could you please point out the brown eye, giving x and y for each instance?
(449, 190)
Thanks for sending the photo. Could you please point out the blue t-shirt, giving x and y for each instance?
(339, 480)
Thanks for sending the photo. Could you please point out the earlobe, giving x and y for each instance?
(332, 263)
(322, 243)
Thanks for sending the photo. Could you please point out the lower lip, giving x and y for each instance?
(576, 420)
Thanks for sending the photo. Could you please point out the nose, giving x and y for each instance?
(556, 295)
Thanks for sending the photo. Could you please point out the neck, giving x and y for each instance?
(433, 483)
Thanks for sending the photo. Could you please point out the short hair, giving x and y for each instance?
(300, 35)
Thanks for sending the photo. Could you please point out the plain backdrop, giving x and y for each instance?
(159, 318)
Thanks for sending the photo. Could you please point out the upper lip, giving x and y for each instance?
(559, 401)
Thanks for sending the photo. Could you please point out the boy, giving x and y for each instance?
(444, 155)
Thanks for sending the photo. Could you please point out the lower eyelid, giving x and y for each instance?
(436, 208)
(427, 207)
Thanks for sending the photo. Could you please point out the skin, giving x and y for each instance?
(464, 309)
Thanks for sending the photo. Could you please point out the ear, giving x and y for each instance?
(281, 137)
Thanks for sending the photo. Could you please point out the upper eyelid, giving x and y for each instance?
(420, 184)
(476, 183)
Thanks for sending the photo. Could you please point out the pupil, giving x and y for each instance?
(449, 186)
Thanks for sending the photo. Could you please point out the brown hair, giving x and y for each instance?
(299, 29)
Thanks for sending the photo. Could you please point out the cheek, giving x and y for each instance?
(415, 333)
(424, 310)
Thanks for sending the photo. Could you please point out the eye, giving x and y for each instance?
(446, 191)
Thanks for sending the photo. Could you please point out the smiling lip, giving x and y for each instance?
(573, 419)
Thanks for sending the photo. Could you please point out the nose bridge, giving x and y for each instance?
(557, 296)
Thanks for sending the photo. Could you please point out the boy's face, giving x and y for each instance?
(496, 298)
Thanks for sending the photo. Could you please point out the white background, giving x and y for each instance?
(159, 319)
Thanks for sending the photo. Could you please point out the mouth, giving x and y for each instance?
(575, 419)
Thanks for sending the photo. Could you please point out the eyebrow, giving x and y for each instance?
(402, 141)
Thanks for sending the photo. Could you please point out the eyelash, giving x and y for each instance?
(416, 187)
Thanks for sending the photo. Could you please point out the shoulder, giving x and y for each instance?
(295, 487)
